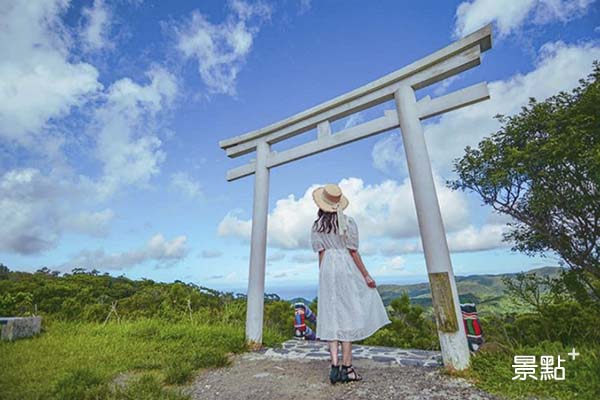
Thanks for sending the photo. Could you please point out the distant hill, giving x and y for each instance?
(486, 291)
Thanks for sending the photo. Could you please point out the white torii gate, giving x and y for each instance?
(400, 86)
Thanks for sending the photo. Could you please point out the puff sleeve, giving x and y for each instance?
(316, 241)
(352, 235)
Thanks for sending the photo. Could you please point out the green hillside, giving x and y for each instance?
(486, 291)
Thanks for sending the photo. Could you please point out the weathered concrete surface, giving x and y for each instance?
(19, 327)
(254, 376)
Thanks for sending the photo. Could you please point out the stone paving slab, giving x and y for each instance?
(319, 350)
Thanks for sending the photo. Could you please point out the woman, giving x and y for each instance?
(349, 306)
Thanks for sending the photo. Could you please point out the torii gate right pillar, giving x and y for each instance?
(446, 306)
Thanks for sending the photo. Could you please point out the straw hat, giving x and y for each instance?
(329, 198)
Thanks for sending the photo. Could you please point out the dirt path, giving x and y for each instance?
(256, 376)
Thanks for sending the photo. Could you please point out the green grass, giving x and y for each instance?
(80, 360)
(492, 371)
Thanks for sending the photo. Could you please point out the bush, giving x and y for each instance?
(410, 328)
(146, 387)
(80, 384)
(178, 372)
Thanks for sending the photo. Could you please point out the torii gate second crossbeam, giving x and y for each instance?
(400, 86)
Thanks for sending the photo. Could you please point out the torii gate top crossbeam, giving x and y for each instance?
(451, 60)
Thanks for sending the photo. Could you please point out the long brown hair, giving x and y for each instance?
(326, 222)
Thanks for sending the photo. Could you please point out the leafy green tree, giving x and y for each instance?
(4, 271)
(410, 328)
(542, 168)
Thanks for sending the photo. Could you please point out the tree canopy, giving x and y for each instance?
(542, 168)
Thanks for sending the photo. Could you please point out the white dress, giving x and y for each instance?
(347, 308)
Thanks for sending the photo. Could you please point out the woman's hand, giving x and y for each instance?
(370, 281)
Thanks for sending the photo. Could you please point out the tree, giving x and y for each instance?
(542, 168)
(4, 270)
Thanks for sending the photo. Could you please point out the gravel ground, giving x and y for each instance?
(253, 376)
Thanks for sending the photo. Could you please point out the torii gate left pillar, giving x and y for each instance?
(258, 247)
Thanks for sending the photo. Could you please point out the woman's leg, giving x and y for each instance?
(333, 350)
(347, 361)
(346, 353)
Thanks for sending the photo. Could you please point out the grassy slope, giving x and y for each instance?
(487, 291)
(75, 353)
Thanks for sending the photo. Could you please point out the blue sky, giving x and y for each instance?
(111, 113)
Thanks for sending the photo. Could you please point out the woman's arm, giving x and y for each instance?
(361, 266)
(321, 257)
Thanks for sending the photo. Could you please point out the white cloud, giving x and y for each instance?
(486, 237)
(221, 50)
(231, 225)
(392, 266)
(305, 257)
(559, 67)
(305, 6)
(382, 210)
(393, 248)
(509, 16)
(46, 101)
(442, 87)
(38, 82)
(95, 32)
(353, 120)
(385, 155)
(127, 144)
(158, 249)
(278, 256)
(185, 184)
(90, 223)
(39, 206)
(211, 253)
(36, 209)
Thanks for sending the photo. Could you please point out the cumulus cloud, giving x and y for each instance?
(36, 209)
(96, 29)
(182, 182)
(90, 223)
(44, 93)
(211, 253)
(163, 252)
(392, 266)
(353, 120)
(486, 237)
(381, 210)
(559, 66)
(127, 142)
(509, 16)
(221, 50)
(385, 155)
(305, 257)
(278, 256)
(39, 206)
(305, 6)
(38, 80)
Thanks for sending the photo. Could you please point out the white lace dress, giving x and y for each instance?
(347, 309)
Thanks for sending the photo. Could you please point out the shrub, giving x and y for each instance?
(80, 384)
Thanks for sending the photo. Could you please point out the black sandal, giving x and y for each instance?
(349, 369)
(335, 374)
